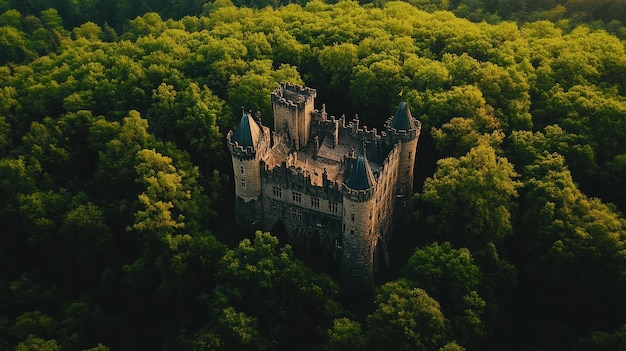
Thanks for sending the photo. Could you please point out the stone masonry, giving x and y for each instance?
(328, 181)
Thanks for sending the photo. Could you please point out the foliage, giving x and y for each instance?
(469, 199)
(451, 277)
(262, 294)
(406, 319)
(114, 172)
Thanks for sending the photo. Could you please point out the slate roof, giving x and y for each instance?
(361, 177)
(402, 120)
(248, 132)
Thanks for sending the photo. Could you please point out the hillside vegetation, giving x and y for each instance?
(116, 197)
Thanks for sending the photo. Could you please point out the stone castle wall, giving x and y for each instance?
(352, 226)
(306, 210)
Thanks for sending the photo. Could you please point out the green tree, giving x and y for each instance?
(346, 334)
(5, 136)
(339, 60)
(451, 277)
(568, 240)
(12, 45)
(604, 341)
(468, 201)
(380, 78)
(406, 318)
(262, 293)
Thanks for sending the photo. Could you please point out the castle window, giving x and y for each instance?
(370, 214)
(241, 169)
(297, 197)
(351, 231)
(315, 202)
(277, 192)
(352, 217)
(243, 183)
(296, 214)
(332, 207)
(409, 155)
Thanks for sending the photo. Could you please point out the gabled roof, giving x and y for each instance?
(248, 132)
(361, 177)
(402, 120)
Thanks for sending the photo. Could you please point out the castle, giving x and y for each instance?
(327, 181)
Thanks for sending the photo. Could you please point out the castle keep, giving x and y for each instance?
(330, 182)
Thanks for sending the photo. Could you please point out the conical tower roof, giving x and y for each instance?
(248, 132)
(361, 177)
(402, 120)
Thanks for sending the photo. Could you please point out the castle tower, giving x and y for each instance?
(247, 144)
(293, 105)
(359, 234)
(403, 128)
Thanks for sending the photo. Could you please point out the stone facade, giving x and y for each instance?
(330, 182)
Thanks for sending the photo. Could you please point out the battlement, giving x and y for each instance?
(293, 95)
(403, 134)
(358, 195)
(307, 180)
(363, 133)
(244, 152)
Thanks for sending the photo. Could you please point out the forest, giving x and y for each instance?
(116, 195)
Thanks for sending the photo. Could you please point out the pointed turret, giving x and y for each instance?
(403, 128)
(361, 177)
(359, 235)
(402, 119)
(248, 144)
(247, 133)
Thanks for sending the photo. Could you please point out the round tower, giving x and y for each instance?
(247, 144)
(359, 235)
(403, 128)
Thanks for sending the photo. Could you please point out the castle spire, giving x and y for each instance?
(361, 177)
(402, 119)
(247, 133)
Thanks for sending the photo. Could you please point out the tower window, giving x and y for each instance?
(352, 217)
(296, 214)
(278, 192)
(332, 207)
(297, 197)
(241, 169)
(315, 202)
(243, 183)
(351, 231)
(409, 155)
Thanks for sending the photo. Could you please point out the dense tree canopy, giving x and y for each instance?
(118, 230)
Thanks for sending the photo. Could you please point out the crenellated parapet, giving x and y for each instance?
(293, 96)
(403, 134)
(358, 195)
(239, 151)
(290, 176)
(362, 132)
